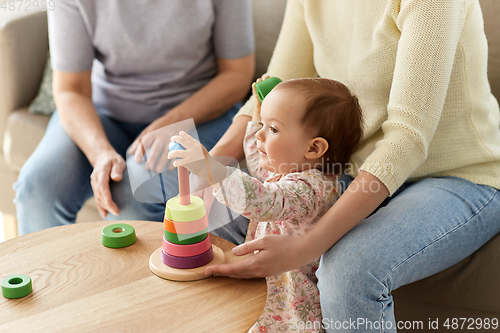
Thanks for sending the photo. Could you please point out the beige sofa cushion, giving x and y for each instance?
(22, 133)
(267, 20)
(471, 284)
(23, 50)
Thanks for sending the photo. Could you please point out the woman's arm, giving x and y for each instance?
(362, 197)
(79, 119)
(231, 143)
(430, 33)
(230, 85)
(78, 116)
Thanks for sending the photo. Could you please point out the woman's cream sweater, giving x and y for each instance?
(418, 68)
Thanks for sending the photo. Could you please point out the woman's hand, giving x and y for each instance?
(276, 254)
(108, 165)
(156, 139)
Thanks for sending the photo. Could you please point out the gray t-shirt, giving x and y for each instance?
(147, 56)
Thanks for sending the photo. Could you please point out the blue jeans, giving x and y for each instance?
(426, 227)
(54, 183)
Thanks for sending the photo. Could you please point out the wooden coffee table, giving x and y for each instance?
(80, 286)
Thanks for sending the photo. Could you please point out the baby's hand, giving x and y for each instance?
(256, 114)
(196, 159)
(193, 151)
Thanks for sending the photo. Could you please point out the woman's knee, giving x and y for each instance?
(35, 187)
(148, 205)
(140, 211)
(348, 271)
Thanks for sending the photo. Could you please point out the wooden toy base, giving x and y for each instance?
(175, 274)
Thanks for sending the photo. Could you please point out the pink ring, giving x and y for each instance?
(188, 250)
(187, 262)
(185, 228)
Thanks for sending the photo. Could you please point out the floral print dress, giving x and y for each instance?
(281, 205)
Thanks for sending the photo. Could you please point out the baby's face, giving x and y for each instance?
(282, 141)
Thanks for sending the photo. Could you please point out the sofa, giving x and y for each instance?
(469, 289)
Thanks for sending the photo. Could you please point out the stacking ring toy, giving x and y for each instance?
(188, 250)
(187, 262)
(118, 235)
(16, 286)
(264, 87)
(186, 239)
(185, 227)
(186, 247)
(176, 211)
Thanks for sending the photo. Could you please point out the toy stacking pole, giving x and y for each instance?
(186, 248)
(183, 174)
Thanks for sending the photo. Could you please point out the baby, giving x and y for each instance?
(297, 144)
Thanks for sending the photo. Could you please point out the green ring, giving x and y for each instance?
(16, 286)
(113, 239)
(185, 213)
(186, 238)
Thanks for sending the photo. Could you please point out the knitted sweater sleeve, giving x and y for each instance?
(293, 55)
(429, 35)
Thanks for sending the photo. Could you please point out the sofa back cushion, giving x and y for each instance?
(267, 20)
(491, 13)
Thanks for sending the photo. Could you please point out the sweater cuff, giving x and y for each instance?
(247, 109)
(385, 173)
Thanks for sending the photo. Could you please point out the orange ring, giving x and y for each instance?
(184, 228)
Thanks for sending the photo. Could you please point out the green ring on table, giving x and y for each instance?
(186, 238)
(185, 213)
(121, 239)
(16, 286)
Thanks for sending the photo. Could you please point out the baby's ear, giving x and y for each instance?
(317, 148)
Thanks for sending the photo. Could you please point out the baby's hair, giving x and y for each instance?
(333, 113)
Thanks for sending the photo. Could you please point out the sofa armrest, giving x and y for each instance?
(23, 53)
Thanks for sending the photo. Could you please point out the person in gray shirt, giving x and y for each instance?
(123, 69)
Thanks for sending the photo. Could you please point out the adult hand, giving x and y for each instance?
(108, 165)
(276, 254)
(157, 137)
